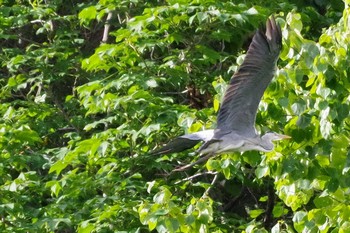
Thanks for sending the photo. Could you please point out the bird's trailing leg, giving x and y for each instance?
(203, 159)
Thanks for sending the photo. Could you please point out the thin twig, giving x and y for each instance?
(203, 159)
(252, 194)
(232, 202)
(196, 175)
(206, 193)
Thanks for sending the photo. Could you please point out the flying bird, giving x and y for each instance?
(235, 130)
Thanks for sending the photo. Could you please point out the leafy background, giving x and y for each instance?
(80, 112)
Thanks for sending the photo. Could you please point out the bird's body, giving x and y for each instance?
(232, 142)
(235, 129)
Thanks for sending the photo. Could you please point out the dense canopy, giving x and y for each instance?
(89, 88)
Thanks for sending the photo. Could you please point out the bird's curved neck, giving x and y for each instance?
(266, 143)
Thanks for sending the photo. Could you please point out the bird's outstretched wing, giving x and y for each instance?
(241, 100)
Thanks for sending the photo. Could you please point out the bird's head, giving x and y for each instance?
(266, 140)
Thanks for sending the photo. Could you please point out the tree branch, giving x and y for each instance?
(203, 159)
(270, 204)
(107, 26)
(196, 175)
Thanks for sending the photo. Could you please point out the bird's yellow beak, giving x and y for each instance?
(285, 136)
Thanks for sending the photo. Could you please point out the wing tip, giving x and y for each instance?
(178, 144)
(272, 34)
(273, 31)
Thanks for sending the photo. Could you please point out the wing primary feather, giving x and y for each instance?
(184, 142)
(177, 145)
(242, 97)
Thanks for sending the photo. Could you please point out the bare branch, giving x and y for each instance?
(206, 193)
(197, 175)
(203, 159)
(107, 26)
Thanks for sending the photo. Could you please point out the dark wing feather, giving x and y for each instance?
(176, 145)
(241, 100)
(184, 142)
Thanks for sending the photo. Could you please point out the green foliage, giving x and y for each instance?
(79, 117)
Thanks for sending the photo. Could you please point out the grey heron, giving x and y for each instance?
(235, 130)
